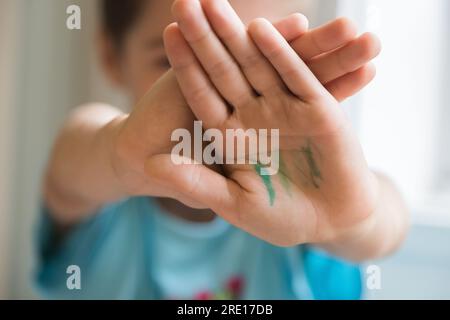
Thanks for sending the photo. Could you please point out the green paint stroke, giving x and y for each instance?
(284, 179)
(312, 164)
(267, 183)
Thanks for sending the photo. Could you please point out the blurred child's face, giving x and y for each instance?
(143, 59)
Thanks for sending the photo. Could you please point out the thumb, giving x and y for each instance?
(195, 182)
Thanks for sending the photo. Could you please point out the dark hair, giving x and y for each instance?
(118, 17)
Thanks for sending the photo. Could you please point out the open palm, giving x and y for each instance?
(324, 185)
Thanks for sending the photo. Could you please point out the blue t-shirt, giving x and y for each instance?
(135, 250)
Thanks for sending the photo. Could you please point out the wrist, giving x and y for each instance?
(116, 164)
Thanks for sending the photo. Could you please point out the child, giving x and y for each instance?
(106, 165)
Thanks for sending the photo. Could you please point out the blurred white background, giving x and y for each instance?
(402, 119)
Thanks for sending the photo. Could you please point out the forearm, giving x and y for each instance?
(379, 235)
(80, 177)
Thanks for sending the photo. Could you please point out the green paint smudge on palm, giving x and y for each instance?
(312, 164)
(267, 183)
(284, 179)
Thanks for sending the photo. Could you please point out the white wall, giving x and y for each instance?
(420, 270)
(54, 73)
(400, 110)
(8, 36)
(403, 119)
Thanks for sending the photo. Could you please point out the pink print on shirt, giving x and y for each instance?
(232, 290)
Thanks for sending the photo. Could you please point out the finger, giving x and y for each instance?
(294, 72)
(351, 83)
(197, 183)
(167, 191)
(325, 38)
(292, 27)
(233, 34)
(202, 97)
(210, 52)
(349, 58)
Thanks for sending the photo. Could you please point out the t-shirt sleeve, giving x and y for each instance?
(331, 278)
(106, 246)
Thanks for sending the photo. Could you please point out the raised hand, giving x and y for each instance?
(146, 132)
(232, 78)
